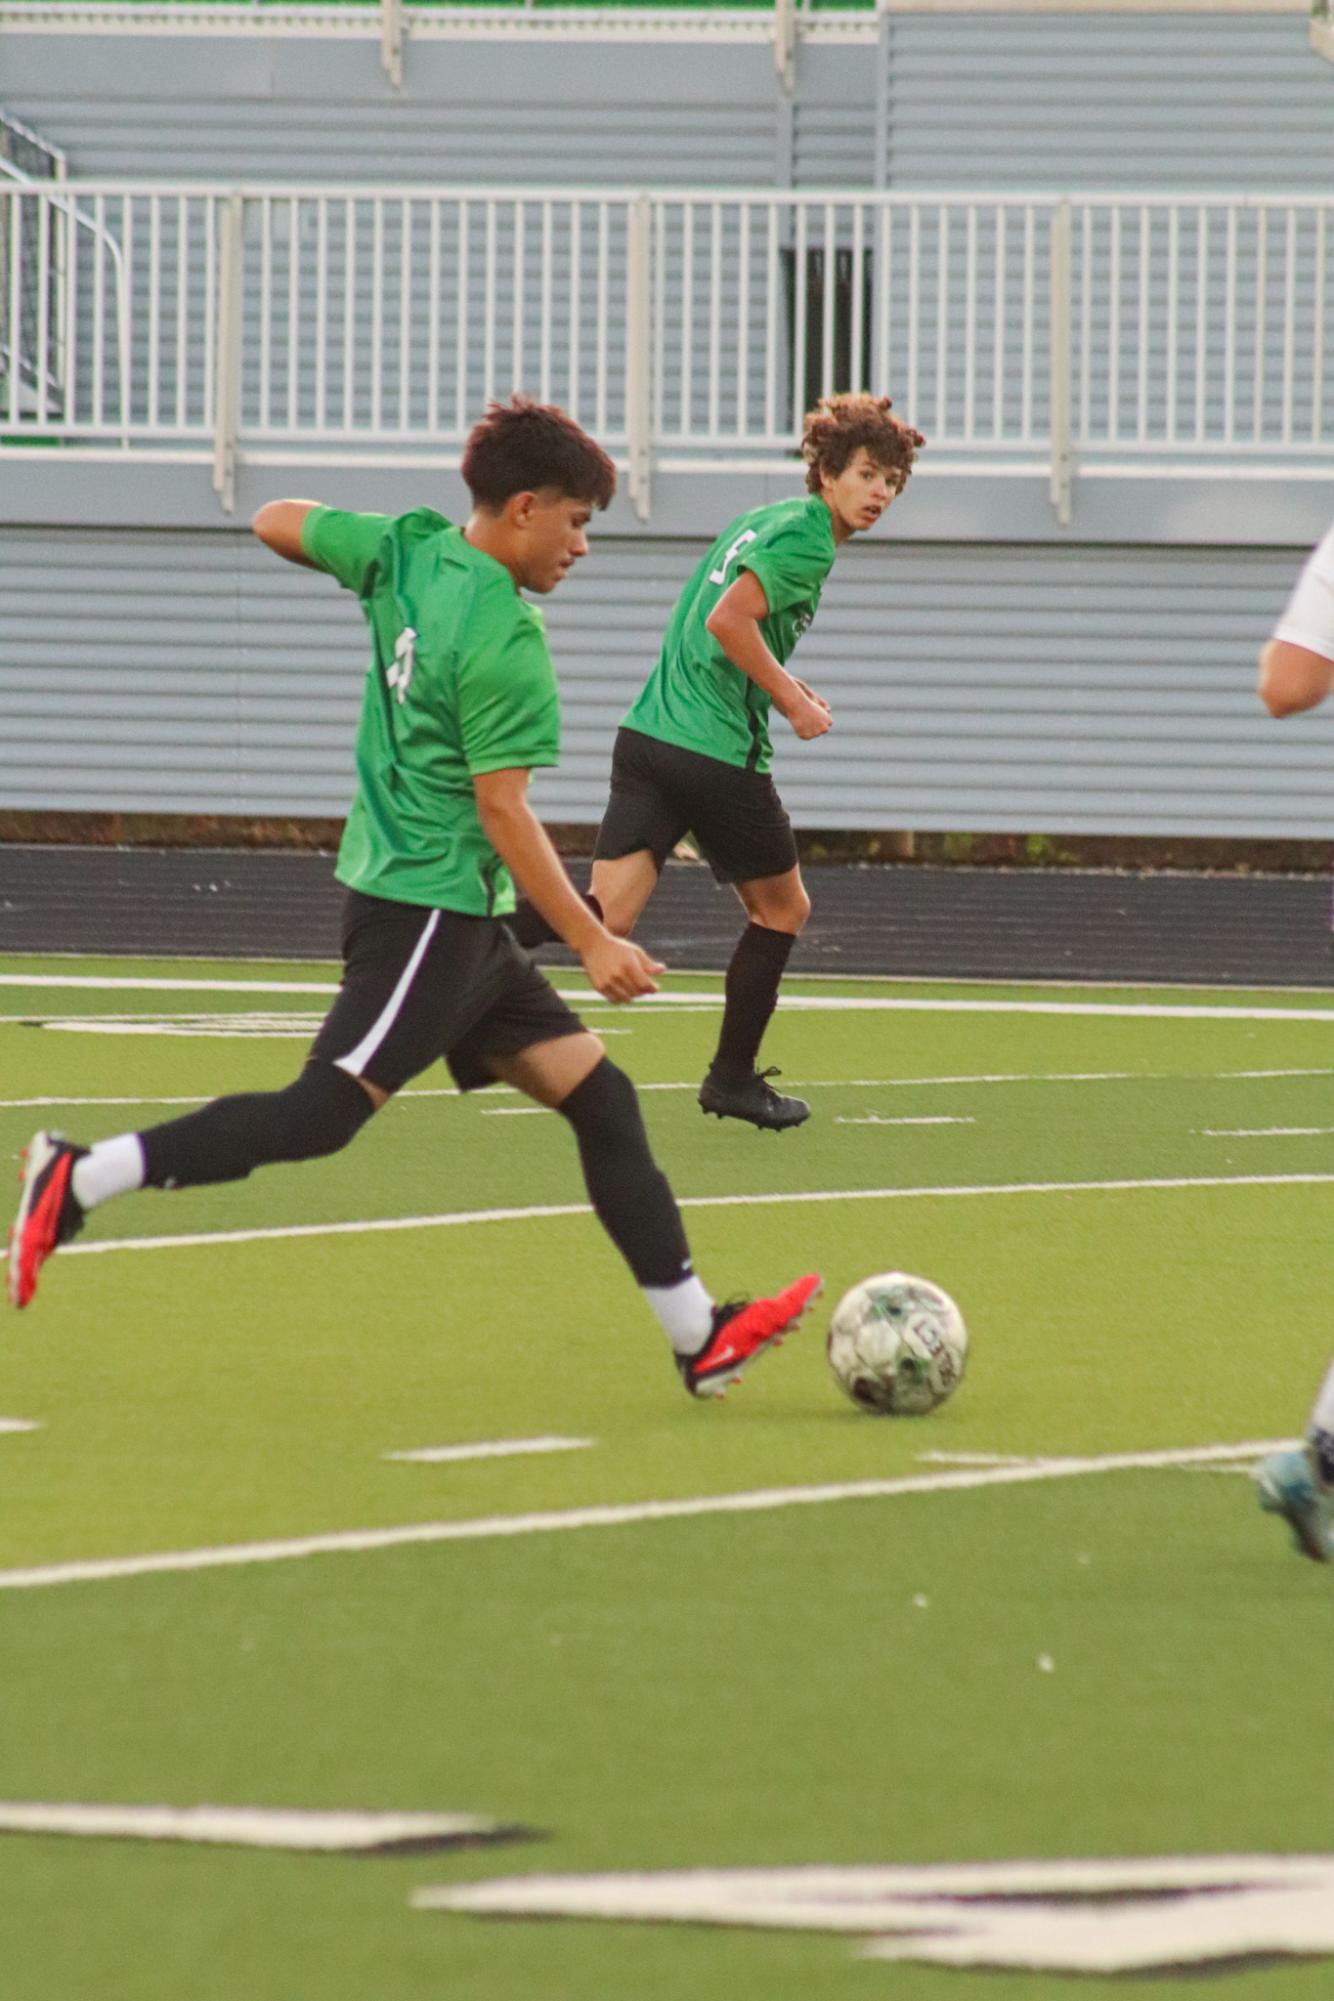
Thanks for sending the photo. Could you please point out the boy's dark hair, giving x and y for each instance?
(522, 446)
(839, 425)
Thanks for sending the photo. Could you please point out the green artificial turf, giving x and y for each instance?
(855, 1682)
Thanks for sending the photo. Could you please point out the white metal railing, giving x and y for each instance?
(1087, 336)
(39, 244)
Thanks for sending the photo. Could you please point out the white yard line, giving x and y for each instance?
(1325, 1071)
(17, 1424)
(797, 1084)
(1201, 1455)
(51, 1104)
(225, 1029)
(492, 1448)
(565, 1520)
(1067, 984)
(898, 1004)
(140, 983)
(461, 1218)
(839, 1003)
(982, 1458)
(874, 1119)
(1263, 1132)
(47, 1104)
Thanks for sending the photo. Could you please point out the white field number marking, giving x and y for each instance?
(566, 1520)
(202, 1027)
(247, 1827)
(1072, 1917)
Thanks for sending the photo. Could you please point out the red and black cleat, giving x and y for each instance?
(742, 1330)
(48, 1213)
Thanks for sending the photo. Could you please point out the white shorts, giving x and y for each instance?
(1309, 618)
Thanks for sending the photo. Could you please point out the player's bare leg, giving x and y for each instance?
(622, 888)
(618, 893)
(777, 906)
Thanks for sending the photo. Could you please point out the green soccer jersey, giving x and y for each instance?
(460, 683)
(695, 697)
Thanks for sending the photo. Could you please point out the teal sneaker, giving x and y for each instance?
(1290, 1486)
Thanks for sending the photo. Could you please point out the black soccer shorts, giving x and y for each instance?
(420, 984)
(660, 792)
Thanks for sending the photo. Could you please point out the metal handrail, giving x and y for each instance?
(67, 206)
(1076, 336)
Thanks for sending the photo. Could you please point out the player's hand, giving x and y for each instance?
(619, 970)
(807, 715)
(810, 692)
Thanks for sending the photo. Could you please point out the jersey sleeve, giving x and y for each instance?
(343, 544)
(790, 565)
(1308, 620)
(509, 707)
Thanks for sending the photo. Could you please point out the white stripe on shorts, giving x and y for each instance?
(356, 1059)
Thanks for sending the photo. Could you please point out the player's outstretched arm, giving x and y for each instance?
(619, 970)
(1292, 678)
(278, 526)
(735, 623)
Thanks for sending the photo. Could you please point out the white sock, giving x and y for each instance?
(686, 1312)
(112, 1167)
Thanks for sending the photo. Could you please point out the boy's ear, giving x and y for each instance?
(519, 508)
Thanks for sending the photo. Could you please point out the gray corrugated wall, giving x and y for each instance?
(1079, 101)
(585, 114)
(987, 688)
(1037, 101)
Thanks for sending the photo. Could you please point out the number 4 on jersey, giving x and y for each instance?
(399, 675)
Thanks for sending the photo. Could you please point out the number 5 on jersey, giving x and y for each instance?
(719, 576)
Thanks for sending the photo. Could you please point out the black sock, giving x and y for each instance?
(751, 995)
(531, 929)
(629, 1191)
(318, 1114)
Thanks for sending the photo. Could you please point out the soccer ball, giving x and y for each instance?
(897, 1345)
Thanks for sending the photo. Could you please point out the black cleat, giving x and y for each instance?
(752, 1098)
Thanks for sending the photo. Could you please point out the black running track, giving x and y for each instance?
(940, 923)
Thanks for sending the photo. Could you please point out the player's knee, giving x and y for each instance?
(798, 910)
(324, 1110)
(617, 912)
(787, 913)
(604, 1109)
